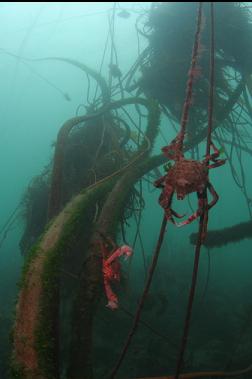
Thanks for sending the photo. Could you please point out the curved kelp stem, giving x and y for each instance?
(35, 336)
(89, 71)
(57, 171)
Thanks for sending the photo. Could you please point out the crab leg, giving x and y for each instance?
(111, 296)
(201, 204)
(165, 200)
(209, 206)
(159, 183)
(214, 157)
(214, 194)
(218, 163)
(166, 197)
(216, 153)
(177, 214)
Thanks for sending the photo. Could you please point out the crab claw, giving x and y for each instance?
(179, 224)
(169, 213)
(193, 217)
(183, 223)
(112, 305)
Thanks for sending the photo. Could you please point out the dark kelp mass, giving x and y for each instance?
(81, 311)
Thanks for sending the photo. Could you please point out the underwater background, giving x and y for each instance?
(43, 84)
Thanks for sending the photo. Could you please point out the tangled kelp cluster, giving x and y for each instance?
(164, 66)
(91, 186)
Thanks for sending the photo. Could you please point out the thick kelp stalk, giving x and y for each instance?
(34, 337)
(34, 340)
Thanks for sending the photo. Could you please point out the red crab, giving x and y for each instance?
(111, 267)
(184, 177)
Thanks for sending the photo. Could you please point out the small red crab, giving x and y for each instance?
(112, 272)
(111, 267)
(184, 177)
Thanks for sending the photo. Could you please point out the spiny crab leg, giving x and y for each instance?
(165, 200)
(170, 218)
(218, 163)
(214, 194)
(177, 214)
(216, 152)
(169, 213)
(201, 202)
(214, 157)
